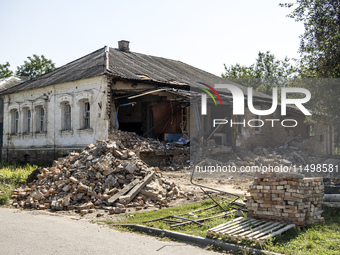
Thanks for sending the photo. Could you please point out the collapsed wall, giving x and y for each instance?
(288, 198)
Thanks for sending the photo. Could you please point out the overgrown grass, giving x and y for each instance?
(316, 239)
(12, 175)
(192, 229)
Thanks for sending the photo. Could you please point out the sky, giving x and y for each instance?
(205, 34)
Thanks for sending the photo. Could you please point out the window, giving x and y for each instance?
(86, 115)
(258, 124)
(27, 120)
(14, 122)
(40, 119)
(311, 131)
(66, 117)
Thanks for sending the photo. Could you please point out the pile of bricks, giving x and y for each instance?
(288, 198)
(106, 176)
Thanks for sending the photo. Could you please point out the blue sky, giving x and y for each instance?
(205, 34)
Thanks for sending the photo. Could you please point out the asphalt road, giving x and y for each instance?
(34, 232)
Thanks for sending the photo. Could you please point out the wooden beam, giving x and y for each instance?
(128, 197)
(123, 191)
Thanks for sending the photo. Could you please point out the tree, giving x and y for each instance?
(320, 43)
(4, 70)
(35, 66)
(267, 72)
(320, 57)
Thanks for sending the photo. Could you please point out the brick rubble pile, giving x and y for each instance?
(288, 198)
(275, 156)
(146, 147)
(103, 176)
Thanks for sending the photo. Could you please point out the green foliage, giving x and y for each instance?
(4, 71)
(12, 175)
(35, 66)
(316, 239)
(5, 193)
(267, 72)
(15, 173)
(192, 229)
(320, 43)
(320, 56)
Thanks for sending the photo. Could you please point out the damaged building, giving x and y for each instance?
(113, 89)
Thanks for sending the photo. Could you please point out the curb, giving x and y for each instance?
(197, 240)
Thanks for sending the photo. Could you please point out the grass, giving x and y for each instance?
(316, 239)
(192, 229)
(11, 176)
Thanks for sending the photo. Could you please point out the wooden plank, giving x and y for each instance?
(237, 225)
(268, 231)
(234, 221)
(245, 228)
(236, 229)
(255, 229)
(228, 224)
(271, 225)
(123, 191)
(133, 192)
(278, 232)
(250, 229)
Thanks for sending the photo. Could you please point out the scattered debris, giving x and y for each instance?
(104, 176)
(282, 155)
(169, 156)
(195, 216)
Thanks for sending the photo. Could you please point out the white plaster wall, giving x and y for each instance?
(93, 89)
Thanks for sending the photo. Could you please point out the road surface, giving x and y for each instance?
(35, 233)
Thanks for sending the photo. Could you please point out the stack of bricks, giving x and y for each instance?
(288, 198)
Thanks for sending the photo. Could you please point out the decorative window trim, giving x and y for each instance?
(85, 131)
(27, 135)
(65, 98)
(14, 106)
(85, 95)
(40, 134)
(66, 132)
(41, 102)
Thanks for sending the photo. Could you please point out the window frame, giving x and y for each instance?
(14, 113)
(27, 120)
(40, 120)
(87, 115)
(66, 121)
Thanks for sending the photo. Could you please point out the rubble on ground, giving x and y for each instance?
(106, 176)
(283, 155)
(178, 154)
(139, 144)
